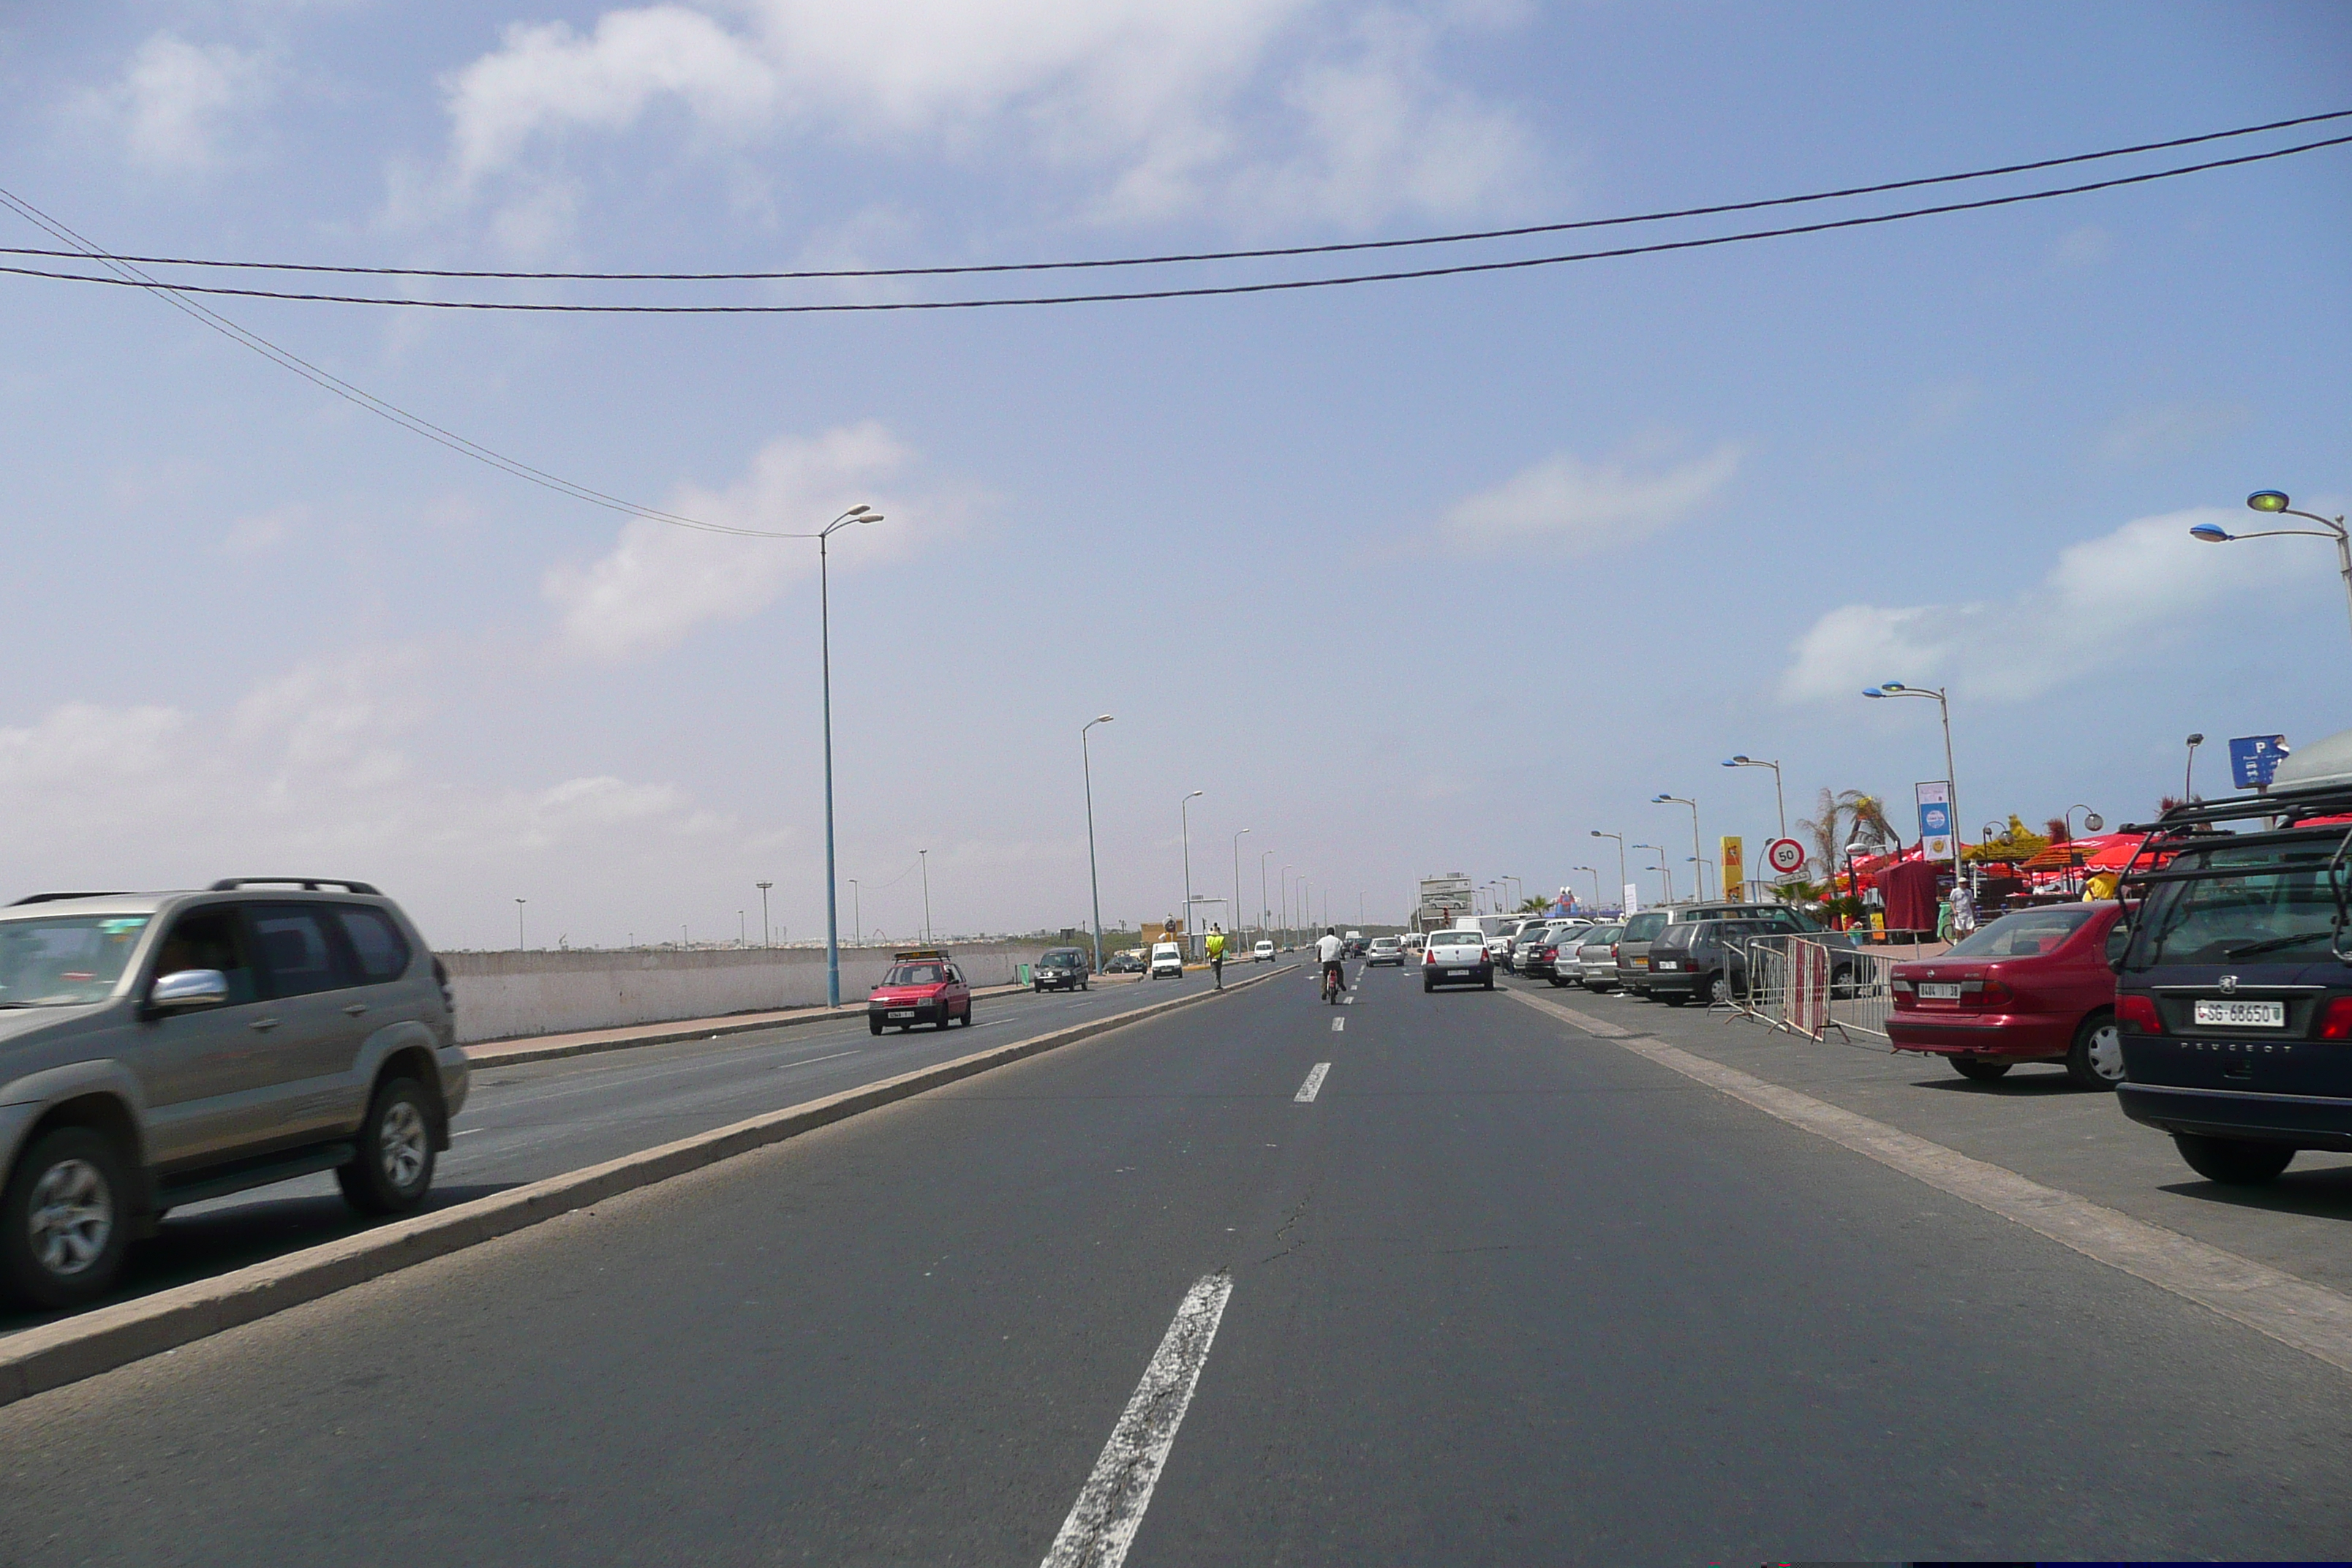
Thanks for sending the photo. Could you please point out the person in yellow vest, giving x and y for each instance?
(2100, 885)
(1217, 954)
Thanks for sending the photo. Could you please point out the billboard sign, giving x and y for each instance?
(1735, 867)
(1936, 819)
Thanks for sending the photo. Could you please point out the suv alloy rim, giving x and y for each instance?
(400, 1144)
(71, 1217)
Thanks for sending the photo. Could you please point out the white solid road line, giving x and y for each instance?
(1306, 1091)
(1109, 1510)
(1338, 1024)
(2295, 1312)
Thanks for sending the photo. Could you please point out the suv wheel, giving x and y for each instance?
(1978, 1069)
(2096, 1060)
(66, 1233)
(2233, 1161)
(394, 1168)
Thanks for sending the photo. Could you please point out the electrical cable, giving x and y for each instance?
(1197, 291)
(943, 271)
(327, 381)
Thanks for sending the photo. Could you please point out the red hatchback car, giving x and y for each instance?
(2033, 987)
(924, 986)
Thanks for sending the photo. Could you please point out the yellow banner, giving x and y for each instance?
(1735, 871)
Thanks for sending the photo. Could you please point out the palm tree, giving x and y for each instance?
(1534, 906)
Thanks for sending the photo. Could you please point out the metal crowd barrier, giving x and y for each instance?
(1788, 984)
(1862, 1007)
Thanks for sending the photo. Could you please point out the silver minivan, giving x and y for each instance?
(158, 1049)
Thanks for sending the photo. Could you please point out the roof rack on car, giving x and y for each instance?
(53, 897)
(307, 884)
(2292, 805)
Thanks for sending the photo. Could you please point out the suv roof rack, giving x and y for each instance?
(2293, 804)
(307, 884)
(53, 897)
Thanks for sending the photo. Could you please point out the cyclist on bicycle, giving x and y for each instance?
(1327, 948)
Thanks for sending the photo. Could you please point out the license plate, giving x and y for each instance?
(901, 1013)
(1457, 974)
(1641, 964)
(1938, 991)
(2243, 1015)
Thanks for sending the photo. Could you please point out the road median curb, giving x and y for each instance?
(66, 1351)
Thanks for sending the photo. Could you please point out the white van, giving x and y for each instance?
(1167, 958)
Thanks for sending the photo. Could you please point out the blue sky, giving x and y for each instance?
(1407, 578)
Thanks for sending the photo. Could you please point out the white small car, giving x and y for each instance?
(1262, 953)
(1167, 958)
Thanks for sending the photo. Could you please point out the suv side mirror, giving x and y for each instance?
(188, 988)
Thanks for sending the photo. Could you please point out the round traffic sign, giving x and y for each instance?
(1785, 855)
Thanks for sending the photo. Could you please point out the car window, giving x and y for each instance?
(2026, 933)
(63, 962)
(2119, 937)
(296, 959)
(1645, 925)
(381, 951)
(913, 974)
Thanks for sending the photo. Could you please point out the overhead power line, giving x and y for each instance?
(1653, 247)
(329, 381)
(1716, 210)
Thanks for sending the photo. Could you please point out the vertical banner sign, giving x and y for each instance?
(1936, 819)
(1632, 899)
(1735, 871)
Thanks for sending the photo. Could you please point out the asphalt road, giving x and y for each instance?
(1497, 1292)
(525, 1122)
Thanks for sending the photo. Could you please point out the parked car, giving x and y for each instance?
(162, 1048)
(1262, 953)
(1539, 951)
(1702, 959)
(1457, 957)
(1641, 929)
(1385, 949)
(1060, 969)
(2235, 994)
(1515, 934)
(1596, 960)
(2033, 987)
(1167, 959)
(924, 985)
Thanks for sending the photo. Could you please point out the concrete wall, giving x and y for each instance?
(501, 995)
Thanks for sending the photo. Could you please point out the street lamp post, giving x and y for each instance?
(1951, 783)
(743, 930)
(518, 904)
(1776, 800)
(925, 857)
(856, 914)
(2092, 820)
(1264, 909)
(1665, 878)
(1596, 884)
(765, 940)
(1184, 821)
(1284, 884)
(1236, 911)
(2275, 503)
(2188, 774)
(1621, 859)
(1094, 877)
(825, 644)
(1664, 799)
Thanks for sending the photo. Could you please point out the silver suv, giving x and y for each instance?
(158, 1049)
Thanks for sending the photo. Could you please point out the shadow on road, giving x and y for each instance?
(199, 1246)
(2322, 1193)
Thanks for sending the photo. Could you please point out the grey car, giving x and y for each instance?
(158, 1049)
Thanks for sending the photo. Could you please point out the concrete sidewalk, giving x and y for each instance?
(589, 1042)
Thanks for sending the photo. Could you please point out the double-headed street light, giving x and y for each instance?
(1952, 785)
(1664, 799)
(1596, 884)
(2275, 503)
(1094, 877)
(1776, 800)
(1665, 878)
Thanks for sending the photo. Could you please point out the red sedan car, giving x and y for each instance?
(924, 986)
(2033, 987)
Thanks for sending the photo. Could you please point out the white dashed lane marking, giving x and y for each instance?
(1338, 1024)
(1313, 1084)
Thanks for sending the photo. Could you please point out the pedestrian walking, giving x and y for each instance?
(1217, 954)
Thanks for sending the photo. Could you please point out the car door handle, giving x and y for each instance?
(263, 1024)
(356, 1008)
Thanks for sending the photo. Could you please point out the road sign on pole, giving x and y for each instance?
(1785, 855)
(2254, 758)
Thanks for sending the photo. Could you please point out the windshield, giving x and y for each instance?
(65, 961)
(2269, 902)
(915, 975)
(1458, 939)
(1642, 927)
(2025, 933)
(1384, 941)
(1063, 955)
(1601, 936)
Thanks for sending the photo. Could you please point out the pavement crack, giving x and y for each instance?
(1291, 1244)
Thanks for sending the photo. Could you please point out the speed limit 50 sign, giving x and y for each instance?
(1785, 855)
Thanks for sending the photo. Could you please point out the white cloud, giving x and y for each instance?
(659, 581)
(1576, 506)
(2104, 602)
(176, 102)
(1270, 107)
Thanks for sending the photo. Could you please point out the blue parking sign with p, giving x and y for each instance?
(2254, 758)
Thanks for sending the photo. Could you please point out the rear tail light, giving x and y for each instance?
(2138, 1014)
(2335, 1024)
